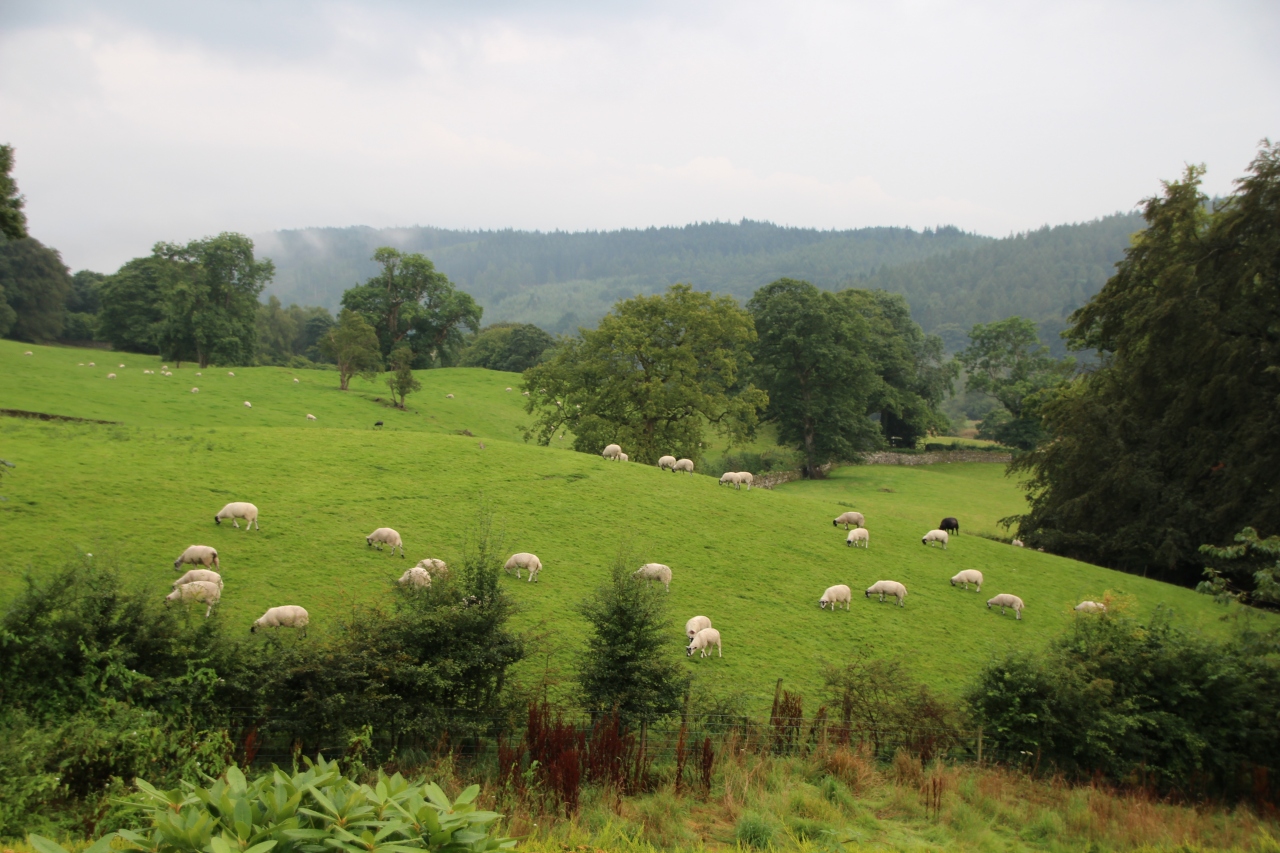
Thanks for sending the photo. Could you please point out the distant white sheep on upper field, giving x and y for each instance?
(202, 591)
(198, 554)
(524, 560)
(968, 576)
(194, 575)
(838, 594)
(683, 465)
(386, 536)
(1004, 600)
(448, 396)
(248, 405)
(667, 462)
(111, 376)
(703, 641)
(694, 625)
(236, 510)
(849, 519)
(28, 352)
(859, 534)
(508, 388)
(287, 616)
(611, 451)
(195, 390)
(655, 572)
(935, 536)
(1091, 607)
(230, 373)
(310, 417)
(883, 588)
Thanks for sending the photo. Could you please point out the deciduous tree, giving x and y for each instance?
(353, 346)
(402, 382)
(13, 222)
(35, 285)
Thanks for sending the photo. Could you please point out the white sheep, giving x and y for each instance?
(195, 390)
(436, 568)
(838, 594)
(525, 393)
(683, 465)
(730, 477)
(849, 519)
(198, 554)
(622, 457)
(229, 373)
(417, 576)
(1004, 600)
(1017, 543)
(111, 376)
(310, 417)
(198, 373)
(746, 478)
(238, 509)
(666, 462)
(205, 592)
(386, 536)
(694, 625)
(883, 588)
(524, 560)
(703, 641)
(968, 576)
(448, 396)
(295, 379)
(508, 388)
(122, 365)
(198, 575)
(655, 572)
(145, 372)
(611, 451)
(1091, 607)
(288, 616)
(92, 364)
(248, 405)
(859, 534)
(29, 352)
(935, 536)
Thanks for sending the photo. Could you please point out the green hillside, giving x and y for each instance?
(139, 492)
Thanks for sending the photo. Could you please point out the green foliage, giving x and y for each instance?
(812, 359)
(133, 304)
(35, 284)
(512, 347)
(1120, 698)
(1174, 440)
(411, 302)
(402, 381)
(914, 373)
(316, 810)
(1007, 361)
(1250, 569)
(13, 222)
(211, 307)
(651, 377)
(626, 663)
(352, 344)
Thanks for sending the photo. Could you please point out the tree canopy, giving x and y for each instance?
(13, 222)
(34, 284)
(513, 347)
(352, 344)
(1174, 441)
(655, 374)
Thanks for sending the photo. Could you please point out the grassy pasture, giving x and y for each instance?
(755, 562)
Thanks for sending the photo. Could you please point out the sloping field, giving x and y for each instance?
(755, 562)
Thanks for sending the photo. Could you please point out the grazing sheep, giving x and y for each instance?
(622, 457)
(1017, 543)
(611, 451)
(703, 641)
(198, 373)
(201, 554)
(164, 367)
(508, 388)
(694, 625)
(524, 560)
(111, 376)
(295, 379)
(238, 509)
(377, 424)
(91, 364)
(525, 393)
(386, 536)
(883, 588)
(288, 616)
(195, 390)
(417, 576)
(198, 575)
(859, 534)
(950, 524)
(145, 372)
(28, 352)
(683, 465)
(122, 365)
(935, 536)
(666, 462)
(655, 572)
(838, 594)
(81, 364)
(1091, 607)
(968, 576)
(849, 519)
(248, 405)
(205, 592)
(1004, 600)
(310, 417)
(436, 568)
(448, 396)
(746, 478)
(730, 477)
(229, 373)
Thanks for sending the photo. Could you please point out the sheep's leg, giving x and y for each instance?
(235, 523)
(720, 649)
(255, 524)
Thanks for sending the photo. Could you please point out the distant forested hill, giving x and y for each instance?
(561, 280)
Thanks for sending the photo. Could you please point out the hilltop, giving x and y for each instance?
(138, 491)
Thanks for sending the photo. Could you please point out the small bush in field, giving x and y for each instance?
(754, 830)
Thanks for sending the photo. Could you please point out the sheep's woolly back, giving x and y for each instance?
(611, 451)
(1004, 599)
(683, 465)
(838, 594)
(859, 534)
(1091, 607)
(206, 575)
(654, 572)
(202, 591)
(667, 462)
(694, 625)
(417, 576)
(968, 576)
(286, 616)
(849, 519)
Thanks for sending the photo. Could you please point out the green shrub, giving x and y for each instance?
(754, 830)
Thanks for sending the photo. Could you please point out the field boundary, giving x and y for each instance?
(45, 416)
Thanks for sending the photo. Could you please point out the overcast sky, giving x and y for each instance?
(153, 121)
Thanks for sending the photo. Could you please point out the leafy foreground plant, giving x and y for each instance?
(316, 810)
